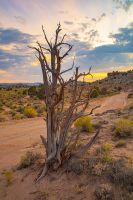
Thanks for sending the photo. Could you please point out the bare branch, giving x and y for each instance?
(69, 68)
(82, 151)
(46, 37)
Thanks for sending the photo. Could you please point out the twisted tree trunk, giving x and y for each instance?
(59, 118)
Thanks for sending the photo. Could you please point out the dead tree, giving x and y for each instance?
(59, 117)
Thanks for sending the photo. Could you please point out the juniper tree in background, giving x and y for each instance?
(59, 116)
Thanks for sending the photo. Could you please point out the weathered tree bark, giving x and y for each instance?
(59, 118)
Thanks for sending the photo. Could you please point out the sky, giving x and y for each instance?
(101, 33)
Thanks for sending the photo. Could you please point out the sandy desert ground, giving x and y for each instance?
(17, 137)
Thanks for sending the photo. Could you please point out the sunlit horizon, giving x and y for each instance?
(101, 34)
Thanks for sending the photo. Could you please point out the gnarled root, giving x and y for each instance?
(51, 162)
(43, 173)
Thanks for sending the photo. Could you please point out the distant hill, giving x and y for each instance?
(115, 79)
(19, 84)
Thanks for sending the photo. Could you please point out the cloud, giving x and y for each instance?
(68, 22)
(20, 19)
(124, 36)
(75, 35)
(17, 59)
(2, 72)
(13, 48)
(124, 4)
(96, 20)
(123, 42)
(84, 25)
(12, 35)
(93, 19)
(92, 35)
(105, 57)
(101, 16)
(62, 11)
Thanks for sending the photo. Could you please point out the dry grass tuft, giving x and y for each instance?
(28, 159)
(84, 123)
(124, 127)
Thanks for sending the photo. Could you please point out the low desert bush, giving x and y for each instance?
(94, 93)
(106, 156)
(8, 176)
(32, 91)
(1, 105)
(40, 92)
(103, 91)
(124, 127)
(76, 166)
(20, 109)
(42, 195)
(130, 95)
(40, 109)
(104, 152)
(121, 175)
(18, 116)
(84, 123)
(13, 113)
(95, 167)
(2, 119)
(121, 143)
(106, 147)
(28, 159)
(30, 112)
(104, 192)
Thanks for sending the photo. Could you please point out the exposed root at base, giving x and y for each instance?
(43, 173)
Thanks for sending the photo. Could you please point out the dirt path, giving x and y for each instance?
(113, 102)
(18, 137)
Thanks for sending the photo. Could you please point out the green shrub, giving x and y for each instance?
(9, 176)
(42, 195)
(103, 91)
(104, 152)
(18, 116)
(107, 158)
(40, 108)
(28, 159)
(94, 166)
(40, 92)
(121, 175)
(121, 143)
(84, 123)
(2, 119)
(13, 113)
(25, 92)
(104, 192)
(20, 109)
(94, 93)
(130, 95)
(107, 147)
(97, 88)
(76, 166)
(124, 127)
(32, 91)
(1, 105)
(30, 112)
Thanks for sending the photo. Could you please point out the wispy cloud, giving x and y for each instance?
(20, 19)
(124, 4)
(100, 38)
(68, 22)
(12, 35)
